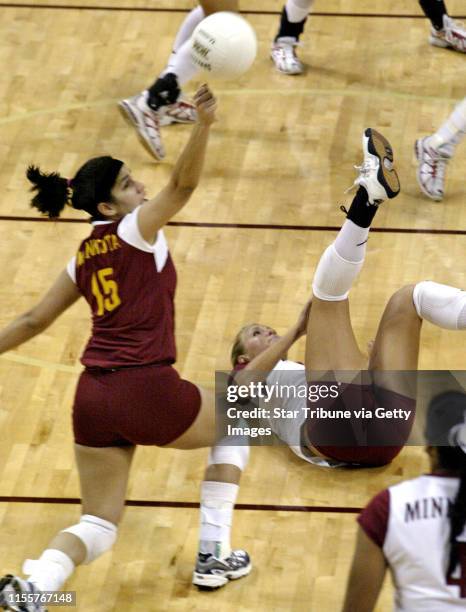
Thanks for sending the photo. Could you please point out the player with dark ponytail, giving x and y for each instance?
(417, 528)
(129, 393)
(92, 184)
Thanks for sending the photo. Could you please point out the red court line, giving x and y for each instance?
(262, 226)
(142, 9)
(174, 504)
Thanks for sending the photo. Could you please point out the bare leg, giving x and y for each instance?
(330, 342)
(103, 474)
(396, 346)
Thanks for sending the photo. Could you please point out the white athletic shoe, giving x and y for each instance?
(283, 54)
(453, 35)
(146, 121)
(431, 169)
(377, 174)
(182, 111)
(212, 573)
(15, 594)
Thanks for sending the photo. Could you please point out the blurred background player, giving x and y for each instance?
(292, 21)
(162, 103)
(434, 152)
(129, 393)
(331, 345)
(416, 529)
(445, 31)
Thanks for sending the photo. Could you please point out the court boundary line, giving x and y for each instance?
(258, 226)
(148, 9)
(140, 503)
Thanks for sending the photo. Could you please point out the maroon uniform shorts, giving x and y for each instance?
(148, 405)
(370, 442)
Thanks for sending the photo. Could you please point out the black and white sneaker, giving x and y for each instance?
(212, 573)
(19, 595)
(377, 173)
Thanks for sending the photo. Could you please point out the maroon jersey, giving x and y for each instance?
(131, 295)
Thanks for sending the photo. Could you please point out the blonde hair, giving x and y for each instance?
(238, 345)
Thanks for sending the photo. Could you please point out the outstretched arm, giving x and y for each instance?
(258, 368)
(59, 297)
(155, 213)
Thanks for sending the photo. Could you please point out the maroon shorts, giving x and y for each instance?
(372, 441)
(148, 405)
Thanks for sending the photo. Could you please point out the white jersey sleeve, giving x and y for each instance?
(128, 230)
(71, 269)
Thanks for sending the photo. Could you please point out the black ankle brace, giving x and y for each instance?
(288, 29)
(164, 91)
(361, 212)
(434, 10)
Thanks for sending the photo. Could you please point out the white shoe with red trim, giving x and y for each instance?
(431, 169)
(453, 35)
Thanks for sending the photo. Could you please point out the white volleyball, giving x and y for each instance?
(224, 45)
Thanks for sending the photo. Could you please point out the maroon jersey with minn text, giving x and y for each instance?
(132, 302)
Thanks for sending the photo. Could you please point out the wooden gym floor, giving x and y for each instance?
(281, 156)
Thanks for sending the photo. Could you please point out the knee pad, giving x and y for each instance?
(226, 452)
(97, 535)
(441, 305)
(334, 276)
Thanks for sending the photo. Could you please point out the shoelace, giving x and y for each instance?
(366, 167)
(364, 170)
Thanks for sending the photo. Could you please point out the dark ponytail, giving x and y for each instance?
(454, 459)
(91, 185)
(446, 430)
(52, 191)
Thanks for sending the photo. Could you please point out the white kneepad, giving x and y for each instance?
(334, 276)
(441, 305)
(97, 535)
(225, 452)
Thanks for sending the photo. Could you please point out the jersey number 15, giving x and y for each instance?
(105, 291)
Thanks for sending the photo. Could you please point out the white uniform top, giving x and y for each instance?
(288, 430)
(410, 521)
(128, 230)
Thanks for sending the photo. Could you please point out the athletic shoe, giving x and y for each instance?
(284, 56)
(431, 169)
(453, 35)
(377, 174)
(146, 121)
(212, 573)
(12, 589)
(182, 111)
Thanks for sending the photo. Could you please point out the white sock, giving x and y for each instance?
(452, 132)
(184, 33)
(50, 571)
(298, 10)
(217, 502)
(351, 241)
(442, 305)
(182, 65)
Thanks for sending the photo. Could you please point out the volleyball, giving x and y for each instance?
(224, 45)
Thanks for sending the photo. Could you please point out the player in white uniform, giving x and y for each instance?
(417, 528)
(331, 345)
(434, 152)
